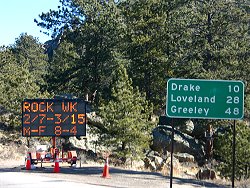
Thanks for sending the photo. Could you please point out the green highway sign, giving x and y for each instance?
(208, 99)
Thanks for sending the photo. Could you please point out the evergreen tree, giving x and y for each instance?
(223, 150)
(144, 46)
(29, 53)
(93, 39)
(16, 84)
(125, 117)
(215, 43)
(60, 77)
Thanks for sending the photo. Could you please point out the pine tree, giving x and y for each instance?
(215, 42)
(29, 53)
(16, 84)
(125, 117)
(62, 69)
(91, 39)
(144, 46)
(223, 150)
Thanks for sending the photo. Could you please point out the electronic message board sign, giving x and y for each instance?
(53, 117)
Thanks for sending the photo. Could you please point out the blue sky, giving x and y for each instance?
(17, 16)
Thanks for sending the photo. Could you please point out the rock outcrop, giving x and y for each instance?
(183, 143)
(205, 174)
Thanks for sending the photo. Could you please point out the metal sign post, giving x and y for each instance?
(172, 151)
(233, 153)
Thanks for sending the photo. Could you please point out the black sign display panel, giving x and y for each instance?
(53, 117)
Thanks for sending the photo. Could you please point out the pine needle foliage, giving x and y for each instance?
(125, 117)
(223, 148)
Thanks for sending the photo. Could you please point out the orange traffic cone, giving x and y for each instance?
(105, 173)
(56, 168)
(28, 162)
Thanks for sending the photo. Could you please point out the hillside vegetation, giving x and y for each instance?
(119, 55)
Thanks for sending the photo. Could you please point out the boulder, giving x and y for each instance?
(165, 170)
(96, 121)
(158, 162)
(183, 143)
(149, 164)
(78, 142)
(205, 174)
(134, 164)
(154, 161)
(184, 157)
(188, 127)
(184, 125)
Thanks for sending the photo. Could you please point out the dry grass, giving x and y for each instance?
(243, 184)
(12, 151)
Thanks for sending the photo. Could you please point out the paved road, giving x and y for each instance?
(24, 180)
(90, 176)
